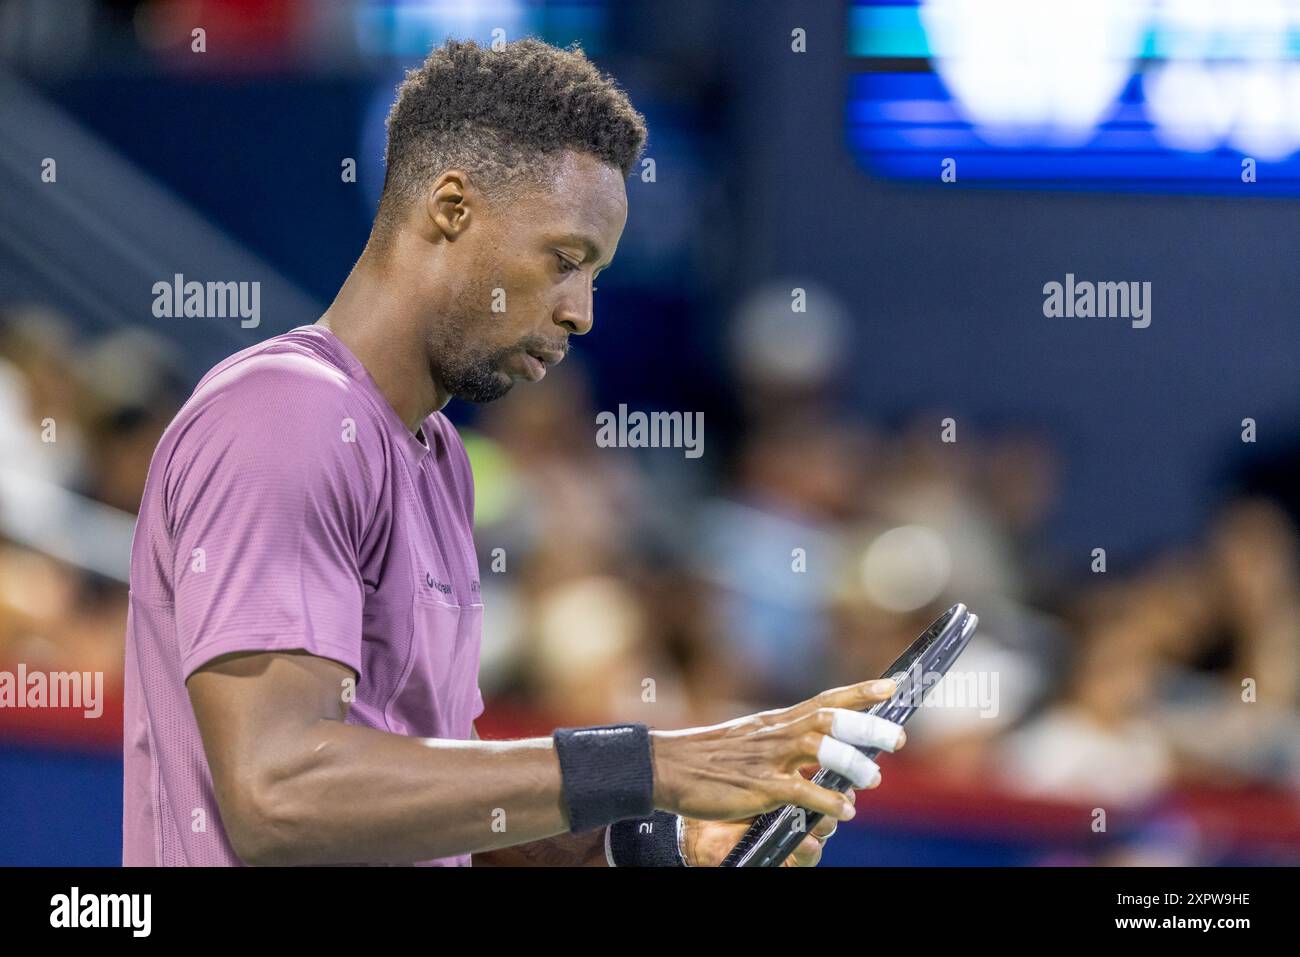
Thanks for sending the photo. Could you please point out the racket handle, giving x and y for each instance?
(772, 837)
(752, 836)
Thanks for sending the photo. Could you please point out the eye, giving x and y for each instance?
(566, 265)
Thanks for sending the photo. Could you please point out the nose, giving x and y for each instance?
(574, 315)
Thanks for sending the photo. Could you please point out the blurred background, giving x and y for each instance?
(827, 521)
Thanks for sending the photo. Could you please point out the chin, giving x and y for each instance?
(486, 389)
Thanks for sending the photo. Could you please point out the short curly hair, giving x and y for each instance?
(502, 115)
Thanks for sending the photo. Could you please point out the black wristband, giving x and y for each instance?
(606, 774)
(645, 842)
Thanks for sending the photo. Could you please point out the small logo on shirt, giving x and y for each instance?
(437, 585)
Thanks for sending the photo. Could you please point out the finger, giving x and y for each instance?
(807, 854)
(848, 762)
(825, 827)
(804, 736)
(866, 730)
(814, 797)
(854, 697)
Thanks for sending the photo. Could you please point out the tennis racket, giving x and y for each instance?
(773, 836)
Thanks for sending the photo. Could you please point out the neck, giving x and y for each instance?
(383, 330)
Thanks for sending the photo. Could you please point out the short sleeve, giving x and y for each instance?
(269, 493)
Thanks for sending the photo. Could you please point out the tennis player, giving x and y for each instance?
(303, 639)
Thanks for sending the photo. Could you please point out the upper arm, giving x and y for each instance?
(268, 497)
(253, 712)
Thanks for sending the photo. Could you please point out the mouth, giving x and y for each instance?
(535, 368)
(539, 360)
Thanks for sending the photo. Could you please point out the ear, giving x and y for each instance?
(449, 204)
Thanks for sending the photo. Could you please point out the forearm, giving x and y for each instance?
(342, 794)
(296, 785)
(564, 850)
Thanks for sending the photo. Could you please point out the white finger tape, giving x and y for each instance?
(847, 761)
(865, 730)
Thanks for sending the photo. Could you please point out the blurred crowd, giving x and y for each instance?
(805, 551)
(78, 424)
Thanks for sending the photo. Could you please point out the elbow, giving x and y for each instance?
(261, 829)
(252, 851)
(265, 821)
(271, 806)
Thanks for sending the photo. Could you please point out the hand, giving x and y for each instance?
(707, 843)
(743, 768)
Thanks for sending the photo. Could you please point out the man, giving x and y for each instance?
(303, 639)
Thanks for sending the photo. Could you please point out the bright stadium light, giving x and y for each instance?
(1227, 77)
(1034, 70)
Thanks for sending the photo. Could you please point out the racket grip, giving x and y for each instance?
(772, 837)
(751, 837)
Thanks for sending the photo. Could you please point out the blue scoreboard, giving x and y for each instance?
(1148, 95)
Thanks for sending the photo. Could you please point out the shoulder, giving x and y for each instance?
(275, 373)
(277, 409)
(291, 385)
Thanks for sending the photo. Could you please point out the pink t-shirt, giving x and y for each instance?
(288, 507)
